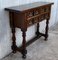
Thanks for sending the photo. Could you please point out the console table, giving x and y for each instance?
(24, 16)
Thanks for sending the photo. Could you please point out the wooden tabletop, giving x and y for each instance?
(27, 6)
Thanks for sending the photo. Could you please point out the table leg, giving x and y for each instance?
(37, 32)
(13, 41)
(46, 29)
(13, 32)
(24, 51)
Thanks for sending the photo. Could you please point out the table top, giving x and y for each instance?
(27, 6)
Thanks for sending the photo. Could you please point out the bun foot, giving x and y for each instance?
(24, 52)
(13, 51)
(24, 56)
(45, 39)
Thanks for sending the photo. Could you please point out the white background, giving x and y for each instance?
(5, 31)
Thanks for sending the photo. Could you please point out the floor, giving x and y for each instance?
(41, 50)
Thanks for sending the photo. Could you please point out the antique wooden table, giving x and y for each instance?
(27, 15)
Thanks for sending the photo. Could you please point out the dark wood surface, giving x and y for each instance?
(24, 16)
(27, 6)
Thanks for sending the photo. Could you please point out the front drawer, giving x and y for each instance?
(38, 14)
(47, 15)
(41, 17)
(36, 20)
(44, 16)
(29, 14)
(45, 9)
(30, 22)
(32, 12)
(36, 11)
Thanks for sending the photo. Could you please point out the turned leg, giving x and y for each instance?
(13, 32)
(37, 32)
(13, 40)
(46, 30)
(24, 51)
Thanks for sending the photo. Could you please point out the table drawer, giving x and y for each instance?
(45, 9)
(36, 20)
(38, 14)
(29, 22)
(32, 21)
(47, 15)
(29, 14)
(36, 11)
(42, 17)
(32, 12)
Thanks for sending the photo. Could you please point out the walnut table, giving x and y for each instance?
(24, 16)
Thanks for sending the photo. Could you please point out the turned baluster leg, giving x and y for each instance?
(46, 30)
(13, 32)
(24, 51)
(37, 32)
(13, 41)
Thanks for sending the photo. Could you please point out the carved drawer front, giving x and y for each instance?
(42, 17)
(36, 20)
(47, 15)
(36, 11)
(29, 14)
(32, 21)
(29, 22)
(45, 9)
(42, 10)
